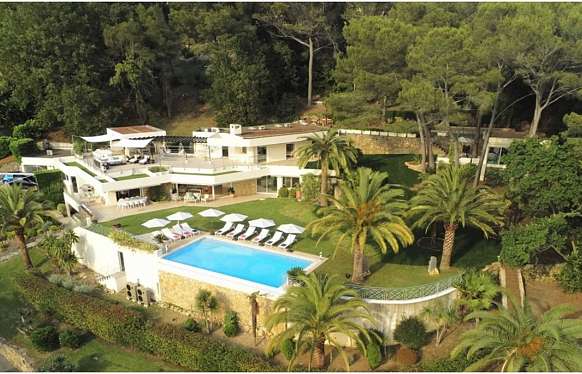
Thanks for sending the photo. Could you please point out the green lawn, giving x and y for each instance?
(394, 165)
(77, 165)
(405, 269)
(95, 355)
(133, 176)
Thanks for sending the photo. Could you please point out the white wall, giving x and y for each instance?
(276, 152)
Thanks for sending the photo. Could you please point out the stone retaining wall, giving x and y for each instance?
(375, 144)
(17, 357)
(245, 188)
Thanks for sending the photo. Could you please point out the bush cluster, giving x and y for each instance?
(50, 183)
(57, 364)
(570, 276)
(283, 192)
(22, 147)
(192, 325)
(118, 324)
(310, 187)
(4, 146)
(125, 239)
(71, 338)
(411, 333)
(45, 338)
(231, 324)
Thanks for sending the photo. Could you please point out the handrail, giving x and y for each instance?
(404, 293)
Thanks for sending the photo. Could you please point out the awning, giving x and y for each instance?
(132, 143)
(98, 138)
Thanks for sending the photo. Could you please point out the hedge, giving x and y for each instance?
(22, 147)
(50, 183)
(4, 146)
(118, 324)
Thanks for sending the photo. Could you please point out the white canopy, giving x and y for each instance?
(262, 223)
(133, 143)
(155, 222)
(99, 138)
(234, 217)
(290, 228)
(179, 216)
(211, 213)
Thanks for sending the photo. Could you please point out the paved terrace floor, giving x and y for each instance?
(107, 213)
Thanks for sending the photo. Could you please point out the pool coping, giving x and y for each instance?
(228, 281)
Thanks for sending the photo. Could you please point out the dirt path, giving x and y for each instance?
(542, 295)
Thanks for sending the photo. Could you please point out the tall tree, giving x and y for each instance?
(304, 23)
(317, 311)
(367, 211)
(515, 339)
(329, 149)
(545, 39)
(20, 211)
(449, 198)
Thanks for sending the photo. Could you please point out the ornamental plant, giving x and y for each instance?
(59, 364)
(411, 333)
(570, 276)
(231, 324)
(45, 338)
(71, 338)
(207, 304)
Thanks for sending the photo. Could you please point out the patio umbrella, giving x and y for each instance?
(211, 213)
(155, 222)
(290, 228)
(179, 216)
(234, 217)
(262, 223)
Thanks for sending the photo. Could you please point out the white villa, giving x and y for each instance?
(143, 161)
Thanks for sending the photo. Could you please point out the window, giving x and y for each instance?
(289, 149)
(267, 184)
(225, 152)
(244, 150)
(261, 154)
(290, 182)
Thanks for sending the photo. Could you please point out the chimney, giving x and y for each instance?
(235, 129)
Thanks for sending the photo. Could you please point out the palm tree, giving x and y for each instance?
(207, 304)
(60, 250)
(515, 339)
(329, 149)
(366, 210)
(20, 211)
(316, 312)
(449, 197)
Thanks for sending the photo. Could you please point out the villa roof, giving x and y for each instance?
(293, 128)
(138, 129)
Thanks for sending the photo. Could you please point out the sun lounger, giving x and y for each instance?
(262, 236)
(226, 228)
(288, 242)
(277, 236)
(186, 228)
(169, 234)
(178, 230)
(250, 232)
(134, 159)
(237, 230)
(144, 160)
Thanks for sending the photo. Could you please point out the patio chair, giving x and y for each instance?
(186, 228)
(170, 235)
(237, 231)
(178, 230)
(262, 236)
(277, 236)
(144, 160)
(247, 234)
(288, 242)
(205, 198)
(226, 228)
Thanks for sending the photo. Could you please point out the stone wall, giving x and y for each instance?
(181, 291)
(375, 144)
(245, 188)
(17, 357)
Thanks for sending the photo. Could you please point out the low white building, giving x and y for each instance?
(143, 161)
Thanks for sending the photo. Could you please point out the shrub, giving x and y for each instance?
(292, 193)
(478, 290)
(402, 125)
(310, 187)
(22, 147)
(59, 364)
(118, 324)
(374, 355)
(45, 338)
(283, 192)
(294, 272)
(4, 146)
(29, 129)
(62, 209)
(288, 349)
(71, 338)
(231, 325)
(157, 169)
(456, 364)
(494, 177)
(192, 325)
(125, 239)
(411, 333)
(50, 183)
(570, 276)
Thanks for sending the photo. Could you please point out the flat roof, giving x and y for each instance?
(137, 129)
(294, 128)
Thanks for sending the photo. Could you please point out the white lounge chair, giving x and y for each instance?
(237, 230)
(277, 236)
(180, 231)
(186, 228)
(226, 228)
(145, 159)
(169, 234)
(134, 159)
(288, 242)
(262, 236)
(250, 232)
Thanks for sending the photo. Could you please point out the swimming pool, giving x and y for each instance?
(238, 261)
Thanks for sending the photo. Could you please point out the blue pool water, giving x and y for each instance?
(238, 261)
